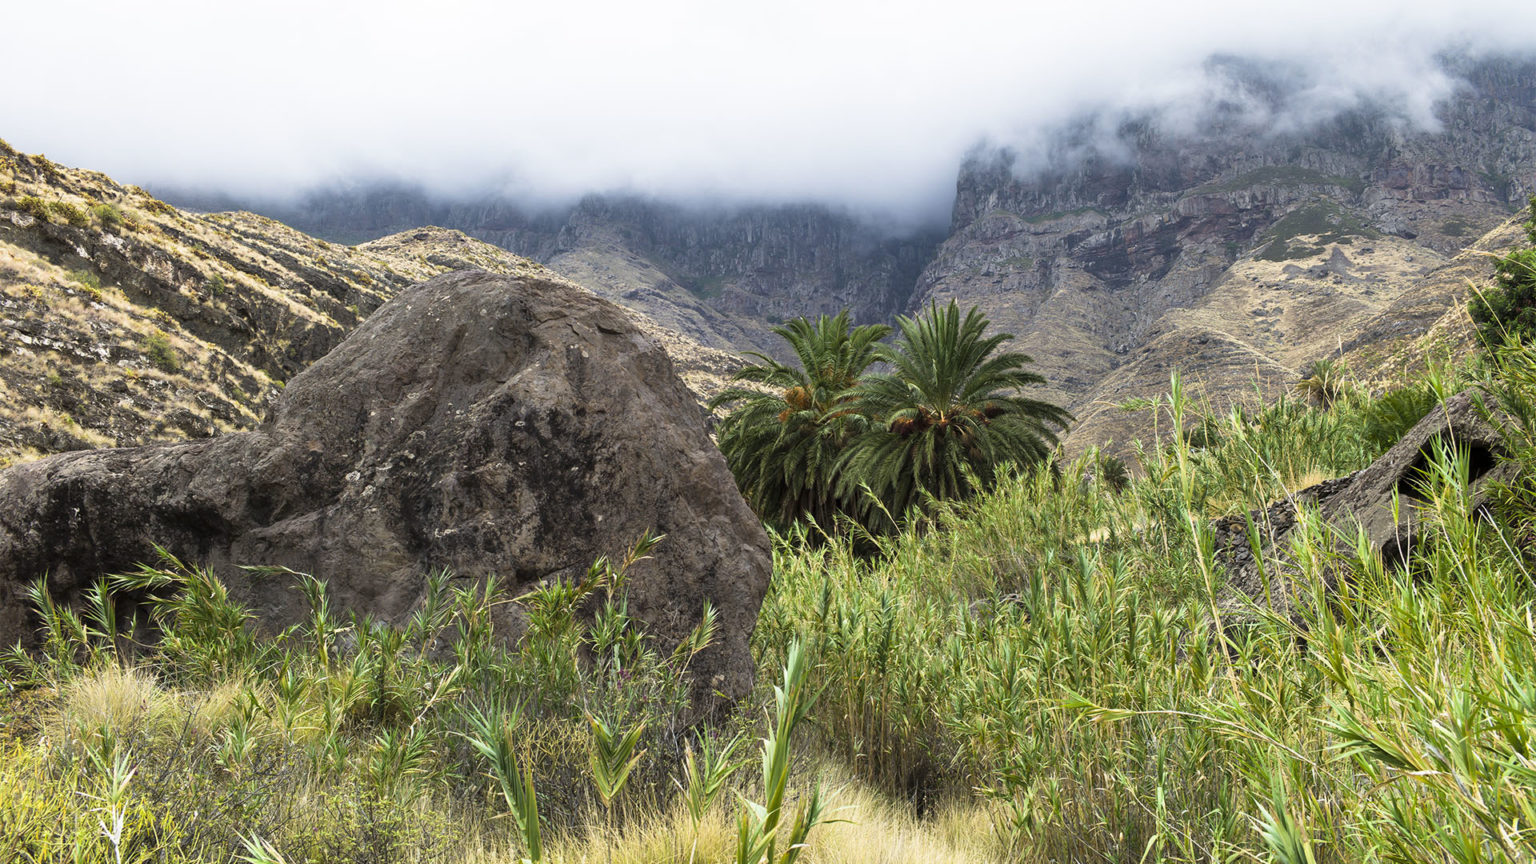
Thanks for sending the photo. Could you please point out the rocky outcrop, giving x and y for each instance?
(1126, 240)
(480, 423)
(1468, 423)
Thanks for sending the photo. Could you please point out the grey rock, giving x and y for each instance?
(1468, 421)
(480, 423)
(1463, 422)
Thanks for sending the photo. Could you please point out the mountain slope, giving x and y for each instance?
(1384, 307)
(124, 320)
(1227, 246)
(1233, 254)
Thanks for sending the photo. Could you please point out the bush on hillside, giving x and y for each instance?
(1508, 307)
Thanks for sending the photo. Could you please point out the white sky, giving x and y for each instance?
(868, 104)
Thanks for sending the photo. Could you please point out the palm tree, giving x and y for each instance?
(951, 413)
(787, 428)
(1324, 382)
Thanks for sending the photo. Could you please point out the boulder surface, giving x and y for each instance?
(481, 423)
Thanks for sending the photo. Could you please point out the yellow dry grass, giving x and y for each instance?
(114, 697)
(872, 830)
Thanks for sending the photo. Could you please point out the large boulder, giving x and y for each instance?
(1468, 422)
(480, 423)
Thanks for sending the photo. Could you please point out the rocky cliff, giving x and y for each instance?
(1235, 246)
(1233, 253)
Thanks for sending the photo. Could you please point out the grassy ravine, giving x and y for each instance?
(1035, 675)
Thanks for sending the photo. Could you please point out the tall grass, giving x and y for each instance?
(1053, 671)
(1059, 648)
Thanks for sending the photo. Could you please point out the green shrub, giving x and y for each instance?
(157, 346)
(108, 215)
(1391, 416)
(69, 213)
(1508, 307)
(35, 207)
(85, 279)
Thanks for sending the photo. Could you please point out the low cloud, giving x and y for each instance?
(860, 104)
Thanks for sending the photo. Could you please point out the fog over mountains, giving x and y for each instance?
(868, 106)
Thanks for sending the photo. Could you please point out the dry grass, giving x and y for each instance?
(114, 697)
(873, 830)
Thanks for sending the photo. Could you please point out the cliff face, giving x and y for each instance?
(1231, 253)
(720, 275)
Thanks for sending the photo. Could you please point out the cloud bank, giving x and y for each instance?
(870, 105)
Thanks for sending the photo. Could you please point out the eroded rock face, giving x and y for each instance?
(1364, 500)
(482, 423)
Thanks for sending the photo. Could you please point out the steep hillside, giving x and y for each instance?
(1231, 247)
(1384, 307)
(124, 320)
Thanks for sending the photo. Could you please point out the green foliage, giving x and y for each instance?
(345, 738)
(708, 769)
(1456, 227)
(758, 826)
(495, 740)
(155, 205)
(1110, 471)
(950, 413)
(1508, 307)
(830, 440)
(1323, 219)
(1323, 382)
(85, 279)
(787, 428)
(1389, 417)
(108, 215)
(35, 207)
(206, 635)
(1075, 655)
(1512, 386)
(157, 346)
(613, 757)
(68, 212)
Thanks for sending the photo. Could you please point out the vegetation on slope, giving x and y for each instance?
(1054, 670)
(1508, 307)
(126, 321)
